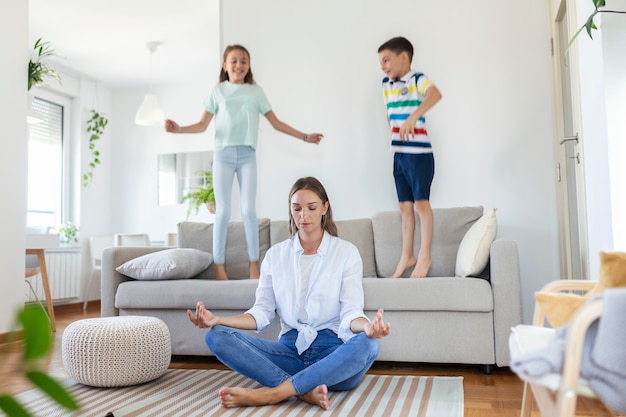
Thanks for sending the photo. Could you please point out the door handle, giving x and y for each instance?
(569, 138)
(577, 157)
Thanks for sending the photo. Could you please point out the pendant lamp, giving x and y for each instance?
(150, 112)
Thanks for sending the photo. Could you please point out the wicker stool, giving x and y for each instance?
(116, 351)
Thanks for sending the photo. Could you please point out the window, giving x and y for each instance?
(47, 152)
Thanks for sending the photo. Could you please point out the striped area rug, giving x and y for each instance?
(188, 393)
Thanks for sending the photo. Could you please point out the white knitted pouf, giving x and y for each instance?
(116, 351)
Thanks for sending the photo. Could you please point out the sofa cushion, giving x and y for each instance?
(184, 294)
(357, 231)
(279, 231)
(449, 227)
(428, 294)
(200, 236)
(473, 254)
(179, 263)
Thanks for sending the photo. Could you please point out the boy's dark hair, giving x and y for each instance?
(398, 45)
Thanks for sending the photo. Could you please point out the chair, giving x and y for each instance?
(137, 239)
(171, 239)
(556, 395)
(96, 245)
(33, 271)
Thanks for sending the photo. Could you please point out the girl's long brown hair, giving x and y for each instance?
(249, 78)
(313, 184)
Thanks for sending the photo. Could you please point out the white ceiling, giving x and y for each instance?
(106, 40)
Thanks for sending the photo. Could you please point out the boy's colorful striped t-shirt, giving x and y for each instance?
(402, 97)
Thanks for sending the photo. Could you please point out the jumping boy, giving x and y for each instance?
(408, 95)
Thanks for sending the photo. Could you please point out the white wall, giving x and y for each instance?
(134, 185)
(318, 64)
(594, 140)
(14, 134)
(613, 28)
(492, 132)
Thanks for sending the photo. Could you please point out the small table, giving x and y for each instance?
(36, 244)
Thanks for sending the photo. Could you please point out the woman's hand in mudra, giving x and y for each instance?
(203, 318)
(377, 328)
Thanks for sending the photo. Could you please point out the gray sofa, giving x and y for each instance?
(438, 319)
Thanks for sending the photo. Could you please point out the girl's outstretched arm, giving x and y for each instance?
(285, 128)
(173, 127)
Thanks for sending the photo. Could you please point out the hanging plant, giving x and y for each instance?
(95, 126)
(37, 70)
(590, 25)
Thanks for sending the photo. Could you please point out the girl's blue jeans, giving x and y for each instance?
(340, 366)
(228, 162)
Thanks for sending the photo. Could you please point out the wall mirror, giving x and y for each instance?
(181, 172)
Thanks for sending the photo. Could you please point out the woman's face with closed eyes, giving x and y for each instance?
(307, 210)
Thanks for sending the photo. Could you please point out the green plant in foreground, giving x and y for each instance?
(37, 345)
(204, 195)
(37, 70)
(95, 126)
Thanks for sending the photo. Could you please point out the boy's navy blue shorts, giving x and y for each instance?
(413, 174)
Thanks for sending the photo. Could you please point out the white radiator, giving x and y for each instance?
(63, 274)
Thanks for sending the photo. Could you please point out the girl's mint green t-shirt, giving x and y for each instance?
(236, 109)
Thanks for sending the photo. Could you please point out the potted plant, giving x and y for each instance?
(38, 71)
(201, 195)
(69, 231)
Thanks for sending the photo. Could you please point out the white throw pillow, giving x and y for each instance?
(473, 253)
(178, 263)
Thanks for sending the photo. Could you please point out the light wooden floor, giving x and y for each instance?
(498, 394)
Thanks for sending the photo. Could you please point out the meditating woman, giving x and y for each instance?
(313, 280)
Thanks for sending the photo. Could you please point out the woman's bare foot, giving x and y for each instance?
(220, 272)
(317, 396)
(421, 268)
(245, 397)
(254, 270)
(403, 265)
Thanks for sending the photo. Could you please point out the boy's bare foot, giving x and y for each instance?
(254, 270)
(317, 396)
(422, 267)
(220, 272)
(403, 265)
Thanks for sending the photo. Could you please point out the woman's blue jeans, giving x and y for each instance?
(340, 366)
(228, 162)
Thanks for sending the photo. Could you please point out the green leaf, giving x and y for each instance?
(37, 331)
(590, 25)
(53, 389)
(11, 407)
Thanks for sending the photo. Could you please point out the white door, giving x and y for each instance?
(568, 144)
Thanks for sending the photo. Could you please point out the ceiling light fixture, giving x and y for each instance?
(150, 112)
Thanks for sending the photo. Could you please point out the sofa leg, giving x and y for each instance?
(487, 369)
